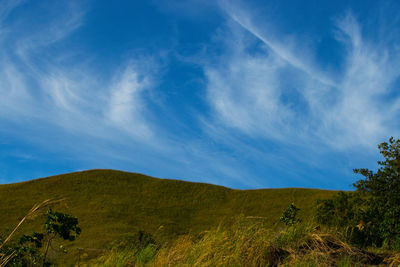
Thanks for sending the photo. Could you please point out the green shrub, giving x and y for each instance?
(289, 216)
(341, 210)
(371, 214)
(345, 212)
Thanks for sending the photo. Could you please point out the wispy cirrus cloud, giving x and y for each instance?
(229, 98)
(59, 101)
(44, 86)
(362, 114)
(281, 93)
(45, 91)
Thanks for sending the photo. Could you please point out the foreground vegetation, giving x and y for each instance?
(359, 228)
(369, 216)
(28, 250)
(247, 242)
(113, 204)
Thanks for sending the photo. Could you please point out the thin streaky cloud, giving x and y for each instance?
(351, 117)
(212, 92)
(241, 17)
(53, 102)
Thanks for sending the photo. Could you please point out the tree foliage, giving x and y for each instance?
(64, 225)
(371, 214)
(60, 224)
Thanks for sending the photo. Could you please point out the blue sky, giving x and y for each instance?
(245, 94)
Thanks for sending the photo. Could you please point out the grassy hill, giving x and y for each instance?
(111, 204)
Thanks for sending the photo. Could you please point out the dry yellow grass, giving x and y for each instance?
(249, 244)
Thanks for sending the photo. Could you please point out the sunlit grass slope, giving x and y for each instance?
(111, 204)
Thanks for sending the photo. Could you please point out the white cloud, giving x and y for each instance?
(260, 86)
(126, 106)
(361, 115)
(285, 47)
(247, 90)
(61, 105)
(44, 88)
(245, 94)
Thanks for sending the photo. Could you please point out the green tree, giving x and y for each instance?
(62, 225)
(381, 191)
(370, 214)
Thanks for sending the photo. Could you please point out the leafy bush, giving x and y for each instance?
(345, 212)
(289, 215)
(26, 252)
(371, 214)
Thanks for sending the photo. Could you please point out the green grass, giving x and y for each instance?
(112, 204)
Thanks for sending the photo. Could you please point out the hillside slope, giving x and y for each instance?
(110, 204)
